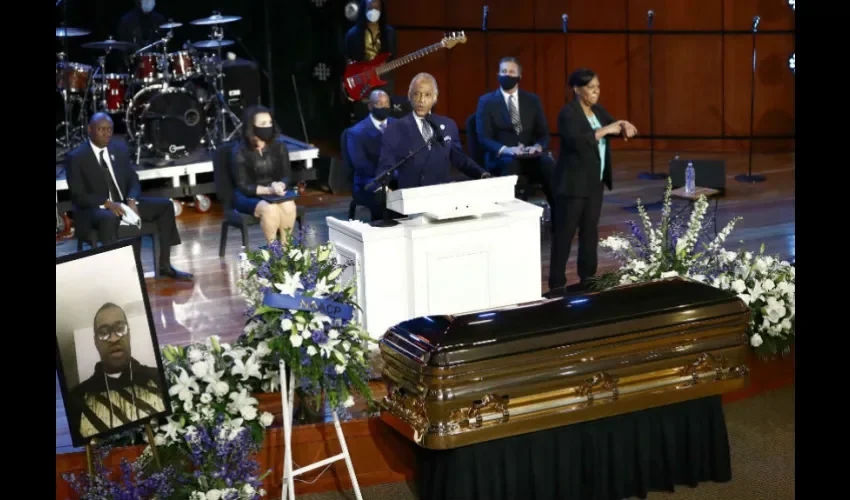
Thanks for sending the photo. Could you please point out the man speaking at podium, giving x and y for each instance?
(432, 140)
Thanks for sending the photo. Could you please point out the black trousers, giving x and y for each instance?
(159, 211)
(570, 213)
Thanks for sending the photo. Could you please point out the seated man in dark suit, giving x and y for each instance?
(431, 165)
(102, 181)
(511, 123)
(363, 143)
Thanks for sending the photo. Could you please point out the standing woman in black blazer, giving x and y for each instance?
(583, 168)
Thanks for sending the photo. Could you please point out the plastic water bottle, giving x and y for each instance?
(690, 178)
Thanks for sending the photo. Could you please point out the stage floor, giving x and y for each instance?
(211, 305)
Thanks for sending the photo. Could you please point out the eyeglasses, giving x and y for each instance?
(105, 332)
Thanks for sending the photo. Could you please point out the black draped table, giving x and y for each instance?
(613, 458)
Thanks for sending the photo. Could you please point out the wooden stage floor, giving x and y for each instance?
(211, 305)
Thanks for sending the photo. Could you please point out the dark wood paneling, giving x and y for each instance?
(775, 14)
(466, 14)
(606, 56)
(688, 85)
(407, 13)
(702, 15)
(435, 64)
(551, 80)
(583, 14)
(774, 91)
(467, 70)
(510, 14)
(638, 66)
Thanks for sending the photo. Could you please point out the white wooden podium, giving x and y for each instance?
(465, 246)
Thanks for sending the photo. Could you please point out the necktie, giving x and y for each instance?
(514, 115)
(383, 127)
(114, 195)
(426, 131)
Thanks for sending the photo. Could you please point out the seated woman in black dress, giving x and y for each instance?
(260, 167)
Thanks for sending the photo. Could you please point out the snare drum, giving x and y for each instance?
(114, 89)
(147, 67)
(77, 76)
(181, 65)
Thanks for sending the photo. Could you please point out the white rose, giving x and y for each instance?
(296, 340)
(248, 490)
(214, 495)
(349, 402)
(221, 388)
(756, 340)
(195, 355)
(266, 419)
(263, 349)
(312, 351)
(739, 286)
(248, 412)
(187, 406)
(206, 398)
(339, 369)
(199, 495)
(199, 369)
(261, 492)
(669, 274)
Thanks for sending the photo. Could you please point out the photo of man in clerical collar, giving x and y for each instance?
(121, 390)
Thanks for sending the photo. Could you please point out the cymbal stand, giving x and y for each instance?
(218, 85)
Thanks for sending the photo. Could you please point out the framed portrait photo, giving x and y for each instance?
(107, 357)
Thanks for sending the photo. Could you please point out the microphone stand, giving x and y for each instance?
(749, 177)
(384, 181)
(652, 175)
(564, 19)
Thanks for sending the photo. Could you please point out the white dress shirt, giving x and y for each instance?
(506, 96)
(108, 159)
(378, 124)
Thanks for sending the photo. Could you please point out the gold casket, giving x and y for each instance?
(459, 380)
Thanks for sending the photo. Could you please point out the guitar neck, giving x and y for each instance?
(396, 63)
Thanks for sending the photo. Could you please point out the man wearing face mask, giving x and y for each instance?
(140, 26)
(512, 129)
(369, 37)
(363, 145)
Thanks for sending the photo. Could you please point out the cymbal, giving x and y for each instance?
(170, 26)
(68, 32)
(109, 45)
(212, 44)
(215, 19)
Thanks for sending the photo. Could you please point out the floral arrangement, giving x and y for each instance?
(299, 307)
(132, 483)
(675, 248)
(209, 381)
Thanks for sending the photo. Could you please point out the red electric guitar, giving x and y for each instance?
(361, 77)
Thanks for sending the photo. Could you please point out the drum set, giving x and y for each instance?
(171, 103)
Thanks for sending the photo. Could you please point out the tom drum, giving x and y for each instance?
(77, 76)
(181, 65)
(115, 91)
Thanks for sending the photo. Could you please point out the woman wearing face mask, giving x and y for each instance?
(369, 37)
(583, 168)
(260, 167)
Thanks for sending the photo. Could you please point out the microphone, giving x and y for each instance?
(484, 20)
(756, 21)
(564, 19)
(649, 17)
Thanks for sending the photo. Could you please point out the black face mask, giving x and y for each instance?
(508, 82)
(380, 114)
(265, 134)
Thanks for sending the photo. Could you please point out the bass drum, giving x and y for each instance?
(167, 121)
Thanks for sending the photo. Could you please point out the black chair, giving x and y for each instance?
(475, 151)
(127, 232)
(341, 177)
(224, 193)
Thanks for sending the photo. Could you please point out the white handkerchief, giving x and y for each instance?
(130, 218)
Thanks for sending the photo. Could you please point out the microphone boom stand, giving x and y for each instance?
(749, 177)
(384, 181)
(652, 175)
